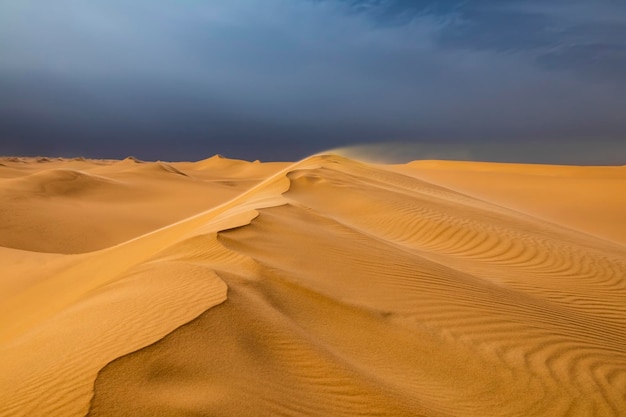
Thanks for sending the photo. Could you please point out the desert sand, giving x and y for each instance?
(324, 287)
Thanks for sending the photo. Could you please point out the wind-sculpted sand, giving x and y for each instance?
(326, 287)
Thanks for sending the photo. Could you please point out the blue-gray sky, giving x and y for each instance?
(527, 80)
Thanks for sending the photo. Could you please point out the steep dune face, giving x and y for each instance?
(331, 287)
(67, 320)
(374, 293)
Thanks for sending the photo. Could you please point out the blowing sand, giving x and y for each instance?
(326, 287)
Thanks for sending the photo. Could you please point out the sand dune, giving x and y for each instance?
(79, 206)
(324, 287)
(568, 195)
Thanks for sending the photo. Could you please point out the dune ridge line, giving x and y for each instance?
(326, 287)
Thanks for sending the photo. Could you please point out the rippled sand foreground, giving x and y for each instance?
(326, 287)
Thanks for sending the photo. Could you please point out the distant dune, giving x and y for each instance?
(325, 287)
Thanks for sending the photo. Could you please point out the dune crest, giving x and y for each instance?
(130, 160)
(110, 303)
(61, 182)
(77, 206)
(326, 287)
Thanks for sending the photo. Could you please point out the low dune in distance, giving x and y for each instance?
(324, 287)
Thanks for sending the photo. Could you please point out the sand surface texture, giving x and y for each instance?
(326, 287)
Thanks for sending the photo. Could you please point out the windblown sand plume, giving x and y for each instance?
(326, 287)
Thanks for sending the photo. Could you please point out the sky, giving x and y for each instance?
(510, 80)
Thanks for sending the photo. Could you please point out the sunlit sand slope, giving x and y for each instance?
(78, 205)
(590, 199)
(64, 317)
(358, 290)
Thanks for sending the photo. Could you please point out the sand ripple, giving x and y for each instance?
(375, 293)
(329, 287)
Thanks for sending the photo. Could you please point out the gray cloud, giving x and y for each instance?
(253, 78)
(574, 35)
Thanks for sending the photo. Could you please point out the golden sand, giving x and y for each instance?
(326, 287)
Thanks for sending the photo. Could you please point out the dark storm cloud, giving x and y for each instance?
(284, 78)
(575, 35)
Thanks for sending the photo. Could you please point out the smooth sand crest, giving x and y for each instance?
(66, 319)
(332, 287)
